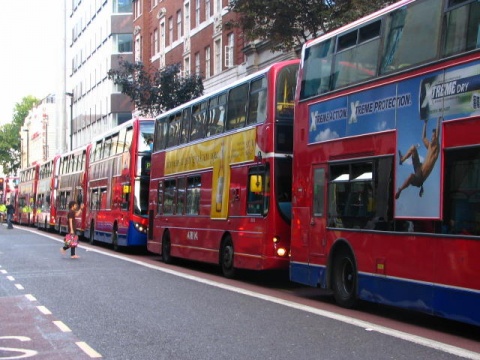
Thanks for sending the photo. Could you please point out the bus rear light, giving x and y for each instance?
(281, 251)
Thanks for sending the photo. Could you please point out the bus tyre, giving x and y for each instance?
(91, 238)
(226, 258)
(344, 279)
(166, 249)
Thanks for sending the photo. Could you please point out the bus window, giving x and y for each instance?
(160, 198)
(285, 92)
(257, 102)
(161, 132)
(145, 135)
(174, 129)
(217, 114)
(462, 29)
(258, 191)
(317, 69)
(128, 138)
(169, 197)
(359, 194)
(199, 120)
(237, 107)
(357, 56)
(402, 35)
(185, 129)
(141, 196)
(193, 195)
(180, 196)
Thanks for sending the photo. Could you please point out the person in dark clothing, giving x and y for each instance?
(73, 212)
(10, 212)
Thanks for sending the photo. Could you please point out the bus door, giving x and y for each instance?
(316, 232)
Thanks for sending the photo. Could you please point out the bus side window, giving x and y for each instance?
(257, 107)
(258, 191)
(461, 30)
(193, 195)
(237, 107)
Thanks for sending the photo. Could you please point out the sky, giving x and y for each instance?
(30, 61)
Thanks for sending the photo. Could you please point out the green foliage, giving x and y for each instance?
(289, 23)
(153, 94)
(10, 145)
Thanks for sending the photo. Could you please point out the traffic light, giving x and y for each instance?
(1, 184)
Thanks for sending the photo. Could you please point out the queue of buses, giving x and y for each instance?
(357, 168)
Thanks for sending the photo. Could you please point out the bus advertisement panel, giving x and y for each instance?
(385, 202)
(70, 184)
(118, 175)
(221, 175)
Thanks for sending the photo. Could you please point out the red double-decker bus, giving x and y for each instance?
(70, 184)
(25, 208)
(11, 192)
(45, 203)
(118, 175)
(387, 152)
(221, 175)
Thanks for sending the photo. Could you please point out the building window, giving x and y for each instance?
(197, 13)
(170, 30)
(138, 48)
(156, 47)
(186, 66)
(162, 37)
(218, 6)
(207, 62)
(179, 24)
(138, 8)
(218, 57)
(123, 43)
(122, 6)
(187, 18)
(197, 64)
(229, 57)
(208, 9)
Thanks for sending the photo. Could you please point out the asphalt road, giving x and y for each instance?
(123, 306)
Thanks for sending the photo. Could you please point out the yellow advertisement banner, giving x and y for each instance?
(218, 154)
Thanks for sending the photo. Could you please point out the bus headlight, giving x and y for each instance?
(281, 251)
(140, 228)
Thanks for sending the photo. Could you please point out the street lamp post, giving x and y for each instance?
(28, 145)
(70, 94)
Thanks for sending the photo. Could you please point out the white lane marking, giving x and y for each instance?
(30, 297)
(11, 278)
(88, 350)
(62, 326)
(19, 287)
(44, 310)
(3, 271)
(331, 315)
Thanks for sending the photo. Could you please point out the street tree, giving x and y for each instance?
(10, 145)
(155, 93)
(290, 23)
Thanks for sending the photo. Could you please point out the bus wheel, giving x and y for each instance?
(166, 249)
(91, 239)
(344, 279)
(226, 258)
(115, 237)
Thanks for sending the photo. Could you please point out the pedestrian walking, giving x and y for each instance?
(73, 212)
(10, 212)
